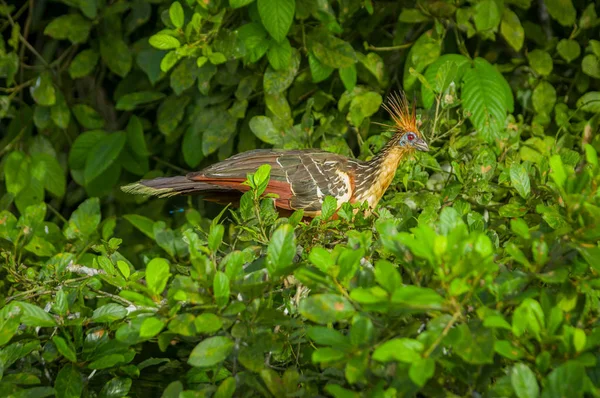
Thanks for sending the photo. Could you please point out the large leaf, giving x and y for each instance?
(486, 96)
(211, 351)
(277, 16)
(103, 155)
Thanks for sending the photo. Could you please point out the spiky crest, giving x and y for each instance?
(404, 115)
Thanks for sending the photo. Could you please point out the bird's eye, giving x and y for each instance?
(411, 136)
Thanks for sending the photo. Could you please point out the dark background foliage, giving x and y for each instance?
(476, 276)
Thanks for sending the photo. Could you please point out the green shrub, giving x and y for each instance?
(478, 274)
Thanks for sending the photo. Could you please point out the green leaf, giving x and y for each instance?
(528, 317)
(43, 91)
(544, 97)
(87, 116)
(176, 15)
(387, 275)
(512, 30)
(325, 355)
(591, 66)
(103, 155)
(473, 343)
(363, 106)
(540, 61)
(281, 250)
(280, 54)
(421, 371)
(207, 323)
(348, 77)
(83, 64)
(557, 171)
(277, 81)
(520, 179)
(431, 74)
(326, 308)
(168, 61)
(109, 313)
(568, 49)
(239, 3)
(424, 52)
(417, 298)
(131, 101)
(71, 26)
(16, 172)
(400, 349)
(59, 113)
(277, 16)
(68, 382)
(211, 351)
(561, 10)
(327, 336)
(192, 140)
(486, 97)
(54, 178)
(255, 39)
(412, 15)
(34, 316)
(589, 102)
(89, 8)
(135, 136)
(151, 327)
(157, 275)
(265, 130)
(84, 221)
(221, 288)
(184, 76)
(170, 113)
(560, 382)
(331, 51)
(143, 224)
(116, 55)
(216, 58)
(524, 382)
(227, 387)
(487, 15)
(64, 348)
(149, 61)
(219, 131)
(81, 148)
(163, 41)
(328, 207)
(107, 361)
(318, 71)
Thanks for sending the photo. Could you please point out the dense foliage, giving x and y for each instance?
(478, 275)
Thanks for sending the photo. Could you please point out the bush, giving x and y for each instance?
(478, 274)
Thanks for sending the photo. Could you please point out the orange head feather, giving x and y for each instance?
(404, 115)
(405, 122)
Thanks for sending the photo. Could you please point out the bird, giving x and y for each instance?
(301, 179)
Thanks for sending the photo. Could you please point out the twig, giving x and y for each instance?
(391, 48)
(176, 168)
(439, 339)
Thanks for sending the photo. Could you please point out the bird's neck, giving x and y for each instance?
(378, 173)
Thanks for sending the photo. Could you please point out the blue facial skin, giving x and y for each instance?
(407, 138)
(411, 139)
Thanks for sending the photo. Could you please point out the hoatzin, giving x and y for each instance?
(301, 179)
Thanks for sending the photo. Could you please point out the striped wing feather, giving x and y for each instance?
(301, 178)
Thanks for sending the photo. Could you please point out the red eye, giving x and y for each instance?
(411, 136)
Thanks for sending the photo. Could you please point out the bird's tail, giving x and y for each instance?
(165, 187)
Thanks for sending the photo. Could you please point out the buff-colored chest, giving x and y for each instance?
(381, 180)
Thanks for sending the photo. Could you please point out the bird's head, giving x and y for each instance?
(407, 135)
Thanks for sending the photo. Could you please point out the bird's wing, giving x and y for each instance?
(301, 178)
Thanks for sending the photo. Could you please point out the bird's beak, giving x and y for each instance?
(421, 145)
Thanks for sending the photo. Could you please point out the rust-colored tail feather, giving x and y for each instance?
(165, 187)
